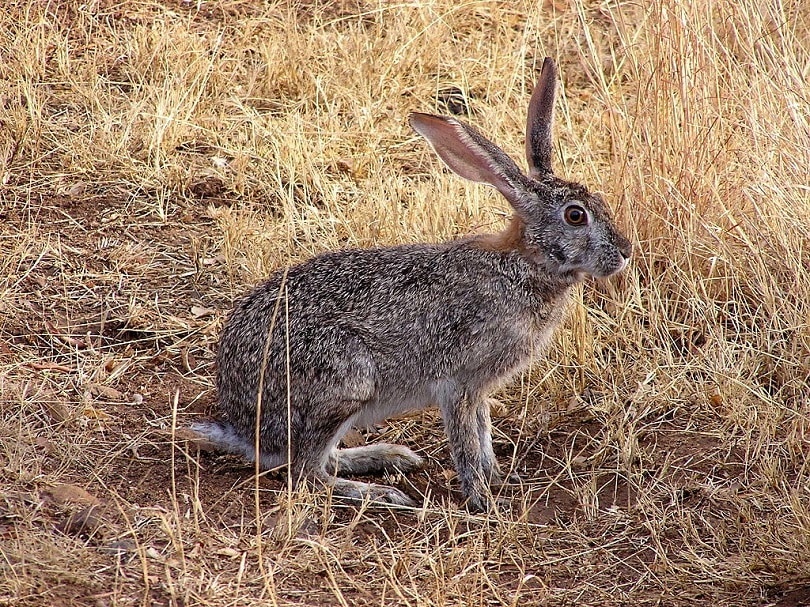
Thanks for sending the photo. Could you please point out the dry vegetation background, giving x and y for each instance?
(158, 157)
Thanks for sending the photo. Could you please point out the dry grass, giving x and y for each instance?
(157, 158)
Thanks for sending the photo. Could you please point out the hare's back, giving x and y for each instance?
(412, 283)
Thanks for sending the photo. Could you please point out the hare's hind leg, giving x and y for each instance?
(357, 491)
(315, 459)
(335, 403)
(382, 458)
(367, 460)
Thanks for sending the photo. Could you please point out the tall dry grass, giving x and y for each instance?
(157, 158)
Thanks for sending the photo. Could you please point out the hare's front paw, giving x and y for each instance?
(489, 504)
(479, 504)
(495, 476)
(497, 479)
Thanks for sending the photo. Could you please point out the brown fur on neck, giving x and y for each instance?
(509, 239)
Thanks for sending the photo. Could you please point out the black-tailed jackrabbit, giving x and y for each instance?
(352, 337)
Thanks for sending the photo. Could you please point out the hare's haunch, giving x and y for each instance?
(352, 337)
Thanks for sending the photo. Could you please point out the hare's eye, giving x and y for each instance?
(575, 215)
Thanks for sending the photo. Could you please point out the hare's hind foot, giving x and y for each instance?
(382, 458)
(381, 495)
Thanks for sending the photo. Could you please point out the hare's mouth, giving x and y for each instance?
(577, 273)
(620, 265)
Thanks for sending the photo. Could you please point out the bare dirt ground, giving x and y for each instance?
(160, 158)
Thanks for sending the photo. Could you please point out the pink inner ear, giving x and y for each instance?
(457, 148)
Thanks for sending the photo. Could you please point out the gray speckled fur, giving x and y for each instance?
(361, 335)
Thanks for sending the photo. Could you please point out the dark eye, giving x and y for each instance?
(575, 215)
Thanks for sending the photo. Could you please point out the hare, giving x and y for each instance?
(352, 337)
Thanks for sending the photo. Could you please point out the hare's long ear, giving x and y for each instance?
(540, 121)
(471, 155)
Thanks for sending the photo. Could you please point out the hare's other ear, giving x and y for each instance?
(540, 121)
(471, 155)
